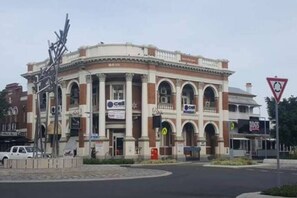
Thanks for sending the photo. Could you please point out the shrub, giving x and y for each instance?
(284, 191)
(158, 161)
(233, 162)
(107, 161)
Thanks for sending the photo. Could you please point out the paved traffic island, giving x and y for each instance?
(85, 173)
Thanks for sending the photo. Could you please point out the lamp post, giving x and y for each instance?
(90, 110)
(265, 133)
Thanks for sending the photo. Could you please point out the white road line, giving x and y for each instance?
(264, 171)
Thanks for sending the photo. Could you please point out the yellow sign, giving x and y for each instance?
(50, 129)
(232, 127)
(164, 131)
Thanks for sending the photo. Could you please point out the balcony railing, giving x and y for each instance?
(165, 106)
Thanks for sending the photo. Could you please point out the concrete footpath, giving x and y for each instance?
(85, 173)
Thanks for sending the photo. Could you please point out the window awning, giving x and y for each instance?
(239, 138)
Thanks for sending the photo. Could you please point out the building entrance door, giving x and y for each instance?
(118, 144)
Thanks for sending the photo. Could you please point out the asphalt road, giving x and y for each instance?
(187, 180)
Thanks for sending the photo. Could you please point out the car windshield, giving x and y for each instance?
(31, 149)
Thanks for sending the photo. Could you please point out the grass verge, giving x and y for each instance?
(284, 191)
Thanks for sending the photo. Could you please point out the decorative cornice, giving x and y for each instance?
(150, 60)
(147, 60)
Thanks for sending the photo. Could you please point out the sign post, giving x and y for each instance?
(277, 86)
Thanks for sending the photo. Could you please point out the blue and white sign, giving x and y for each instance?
(115, 104)
(118, 115)
(189, 108)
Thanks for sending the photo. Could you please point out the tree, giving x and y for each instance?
(287, 119)
(3, 104)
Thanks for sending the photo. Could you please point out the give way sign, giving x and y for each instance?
(277, 86)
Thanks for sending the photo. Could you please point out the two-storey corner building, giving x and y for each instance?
(13, 129)
(249, 132)
(110, 93)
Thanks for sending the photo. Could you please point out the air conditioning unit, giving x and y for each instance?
(207, 104)
(53, 109)
(164, 99)
(163, 90)
(59, 108)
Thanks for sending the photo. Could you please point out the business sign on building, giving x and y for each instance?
(253, 126)
(118, 115)
(115, 104)
(189, 108)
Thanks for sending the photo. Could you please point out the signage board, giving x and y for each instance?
(118, 115)
(253, 126)
(164, 131)
(75, 123)
(189, 108)
(277, 86)
(115, 104)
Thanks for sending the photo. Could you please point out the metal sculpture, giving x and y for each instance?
(47, 82)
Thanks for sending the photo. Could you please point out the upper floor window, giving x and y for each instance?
(232, 108)
(43, 102)
(59, 96)
(74, 95)
(164, 93)
(118, 92)
(95, 96)
(13, 126)
(243, 109)
(188, 95)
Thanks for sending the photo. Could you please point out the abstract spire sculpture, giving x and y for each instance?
(46, 82)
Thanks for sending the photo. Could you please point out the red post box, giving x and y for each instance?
(154, 154)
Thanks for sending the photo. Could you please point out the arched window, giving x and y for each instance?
(59, 96)
(43, 102)
(187, 95)
(209, 99)
(74, 95)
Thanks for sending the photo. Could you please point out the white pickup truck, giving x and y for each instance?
(17, 152)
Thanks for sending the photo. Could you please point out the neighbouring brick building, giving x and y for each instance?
(13, 129)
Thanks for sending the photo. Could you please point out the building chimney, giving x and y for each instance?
(249, 87)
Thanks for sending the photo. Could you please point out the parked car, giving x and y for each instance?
(18, 152)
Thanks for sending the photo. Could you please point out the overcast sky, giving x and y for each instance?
(258, 37)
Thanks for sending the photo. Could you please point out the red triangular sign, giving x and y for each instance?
(277, 86)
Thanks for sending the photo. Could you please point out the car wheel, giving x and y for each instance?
(3, 160)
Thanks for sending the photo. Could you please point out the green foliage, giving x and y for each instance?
(107, 161)
(3, 104)
(284, 191)
(287, 116)
(158, 161)
(232, 162)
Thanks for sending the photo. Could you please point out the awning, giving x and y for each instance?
(240, 138)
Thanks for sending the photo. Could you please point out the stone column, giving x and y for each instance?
(144, 140)
(129, 142)
(102, 100)
(201, 139)
(220, 138)
(64, 105)
(177, 151)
